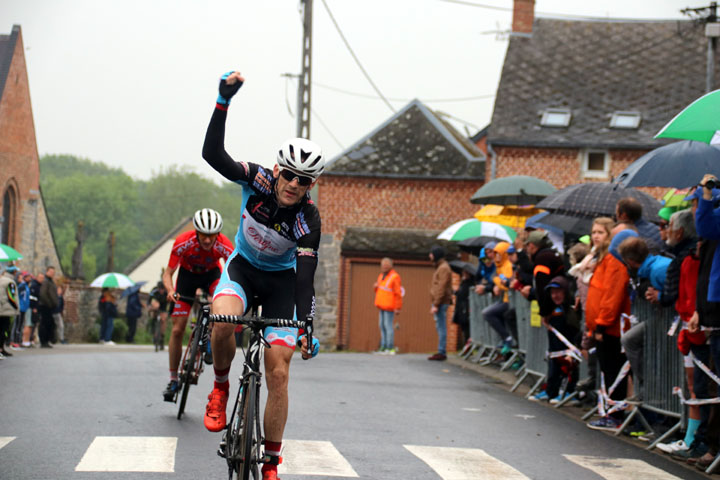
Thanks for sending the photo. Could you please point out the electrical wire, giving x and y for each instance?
(357, 61)
(317, 117)
(433, 100)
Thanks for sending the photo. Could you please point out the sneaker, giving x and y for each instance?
(5, 353)
(171, 390)
(110, 342)
(691, 455)
(379, 352)
(15, 346)
(539, 397)
(705, 461)
(672, 447)
(215, 419)
(438, 356)
(390, 351)
(2, 357)
(608, 424)
(506, 348)
(563, 396)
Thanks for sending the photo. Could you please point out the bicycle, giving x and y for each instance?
(156, 328)
(242, 441)
(191, 364)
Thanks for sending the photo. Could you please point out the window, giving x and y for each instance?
(595, 164)
(7, 220)
(555, 117)
(628, 120)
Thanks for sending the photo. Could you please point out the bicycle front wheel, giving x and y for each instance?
(249, 441)
(188, 370)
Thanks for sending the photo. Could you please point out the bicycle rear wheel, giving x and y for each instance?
(247, 434)
(188, 369)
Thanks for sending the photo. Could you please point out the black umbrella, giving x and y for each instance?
(458, 266)
(475, 244)
(569, 224)
(592, 200)
(680, 165)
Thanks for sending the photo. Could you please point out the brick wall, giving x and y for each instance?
(523, 16)
(377, 202)
(20, 169)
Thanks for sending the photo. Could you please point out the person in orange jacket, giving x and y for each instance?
(495, 313)
(388, 299)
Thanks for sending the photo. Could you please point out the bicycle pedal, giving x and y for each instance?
(221, 452)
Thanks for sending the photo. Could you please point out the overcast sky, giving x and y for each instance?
(132, 83)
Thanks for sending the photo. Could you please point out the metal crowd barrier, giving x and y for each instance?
(485, 339)
(532, 338)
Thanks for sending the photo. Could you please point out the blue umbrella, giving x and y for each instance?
(133, 289)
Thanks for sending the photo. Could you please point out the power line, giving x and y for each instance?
(397, 99)
(357, 61)
(314, 112)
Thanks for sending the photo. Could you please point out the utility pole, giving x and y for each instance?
(303, 100)
(712, 32)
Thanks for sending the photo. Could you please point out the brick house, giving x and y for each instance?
(579, 100)
(23, 220)
(390, 194)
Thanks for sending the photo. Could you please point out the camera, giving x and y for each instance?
(711, 183)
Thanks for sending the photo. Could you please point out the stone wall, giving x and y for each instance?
(326, 291)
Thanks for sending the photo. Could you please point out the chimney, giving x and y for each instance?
(523, 16)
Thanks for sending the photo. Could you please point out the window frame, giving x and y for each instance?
(555, 111)
(586, 172)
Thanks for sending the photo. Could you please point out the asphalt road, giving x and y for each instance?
(87, 411)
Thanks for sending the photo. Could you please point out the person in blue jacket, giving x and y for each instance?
(486, 269)
(636, 255)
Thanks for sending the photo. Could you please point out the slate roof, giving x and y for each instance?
(413, 143)
(7, 48)
(595, 68)
(394, 242)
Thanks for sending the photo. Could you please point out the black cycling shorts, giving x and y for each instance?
(187, 284)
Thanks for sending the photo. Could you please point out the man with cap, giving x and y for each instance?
(548, 264)
(440, 298)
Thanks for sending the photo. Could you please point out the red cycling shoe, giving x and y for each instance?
(215, 416)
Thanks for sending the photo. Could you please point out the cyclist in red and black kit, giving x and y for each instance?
(274, 261)
(196, 256)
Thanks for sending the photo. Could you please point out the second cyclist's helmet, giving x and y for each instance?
(301, 156)
(207, 221)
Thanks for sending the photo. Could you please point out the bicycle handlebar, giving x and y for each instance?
(260, 322)
(201, 299)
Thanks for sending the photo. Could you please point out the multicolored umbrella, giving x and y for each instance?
(698, 121)
(475, 228)
(675, 198)
(8, 254)
(112, 280)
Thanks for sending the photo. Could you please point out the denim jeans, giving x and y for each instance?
(441, 327)
(106, 328)
(386, 329)
(495, 316)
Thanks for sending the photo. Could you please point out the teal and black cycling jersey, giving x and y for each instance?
(270, 237)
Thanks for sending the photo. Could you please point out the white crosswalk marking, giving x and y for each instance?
(129, 454)
(302, 457)
(5, 440)
(465, 464)
(620, 468)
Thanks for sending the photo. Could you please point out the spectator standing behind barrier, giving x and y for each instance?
(133, 311)
(35, 284)
(461, 315)
(600, 235)
(707, 223)
(565, 321)
(13, 271)
(47, 303)
(607, 300)
(495, 313)
(636, 254)
(486, 269)
(629, 210)
(547, 264)
(58, 316)
(388, 300)
(440, 297)
(9, 308)
(24, 304)
(108, 312)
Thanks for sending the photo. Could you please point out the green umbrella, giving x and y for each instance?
(112, 280)
(513, 190)
(475, 228)
(698, 121)
(8, 254)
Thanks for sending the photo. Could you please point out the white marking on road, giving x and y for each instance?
(5, 440)
(129, 454)
(525, 417)
(464, 464)
(305, 457)
(620, 468)
(472, 409)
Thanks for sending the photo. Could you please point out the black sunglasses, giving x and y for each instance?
(290, 176)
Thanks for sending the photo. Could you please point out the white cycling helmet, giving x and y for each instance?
(207, 221)
(301, 156)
